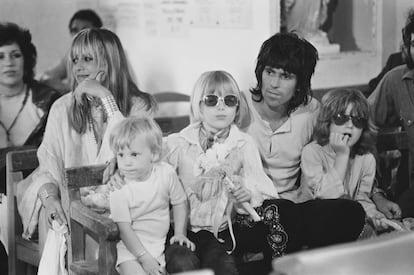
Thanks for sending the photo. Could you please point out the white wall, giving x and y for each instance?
(47, 20)
(165, 63)
(401, 10)
(160, 63)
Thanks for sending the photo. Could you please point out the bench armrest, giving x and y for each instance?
(97, 223)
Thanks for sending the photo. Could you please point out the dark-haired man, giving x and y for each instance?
(282, 111)
(393, 106)
(282, 117)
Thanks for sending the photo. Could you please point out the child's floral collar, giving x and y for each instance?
(215, 156)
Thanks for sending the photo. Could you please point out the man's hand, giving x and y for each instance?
(390, 209)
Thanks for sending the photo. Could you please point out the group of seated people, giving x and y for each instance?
(271, 170)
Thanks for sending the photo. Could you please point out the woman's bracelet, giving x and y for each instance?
(109, 105)
(141, 254)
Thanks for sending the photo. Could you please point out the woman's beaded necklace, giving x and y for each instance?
(8, 129)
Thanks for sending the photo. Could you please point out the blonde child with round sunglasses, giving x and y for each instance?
(219, 167)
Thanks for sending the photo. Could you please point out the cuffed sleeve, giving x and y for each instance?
(323, 182)
(363, 195)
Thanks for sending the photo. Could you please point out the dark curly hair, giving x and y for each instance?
(293, 54)
(407, 31)
(11, 33)
(336, 102)
(87, 15)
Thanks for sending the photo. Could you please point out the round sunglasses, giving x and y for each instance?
(213, 100)
(341, 119)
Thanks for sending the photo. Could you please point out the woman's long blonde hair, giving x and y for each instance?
(105, 47)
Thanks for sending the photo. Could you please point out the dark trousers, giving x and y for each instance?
(209, 254)
(406, 203)
(179, 258)
(3, 260)
(311, 224)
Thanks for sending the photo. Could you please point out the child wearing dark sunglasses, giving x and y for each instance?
(340, 162)
(220, 169)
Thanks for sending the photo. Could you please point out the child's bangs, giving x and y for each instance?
(123, 139)
(340, 106)
(360, 109)
(340, 100)
(221, 85)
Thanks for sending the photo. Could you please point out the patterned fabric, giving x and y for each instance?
(277, 237)
(207, 139)
(201, 173)
(109, 105)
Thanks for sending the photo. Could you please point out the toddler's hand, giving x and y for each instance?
(339, 143)
(182, 240)
(116, 182)
(150, 265)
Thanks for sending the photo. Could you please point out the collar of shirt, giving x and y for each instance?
(191, 134)
(408, 73)
(286, 127)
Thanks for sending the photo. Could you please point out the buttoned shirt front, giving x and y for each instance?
(281, 149)
(392, 102)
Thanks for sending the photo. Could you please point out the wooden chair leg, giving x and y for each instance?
(20, 268)
(77, 236)
(107, 250)
(31, 270)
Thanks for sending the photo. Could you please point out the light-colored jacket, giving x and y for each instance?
(320, 179)
(62, 147)
(238, 157)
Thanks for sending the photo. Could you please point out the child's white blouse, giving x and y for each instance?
(183, 150)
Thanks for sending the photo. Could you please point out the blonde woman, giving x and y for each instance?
(77, 131)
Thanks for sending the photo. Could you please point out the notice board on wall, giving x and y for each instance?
(171, 42)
